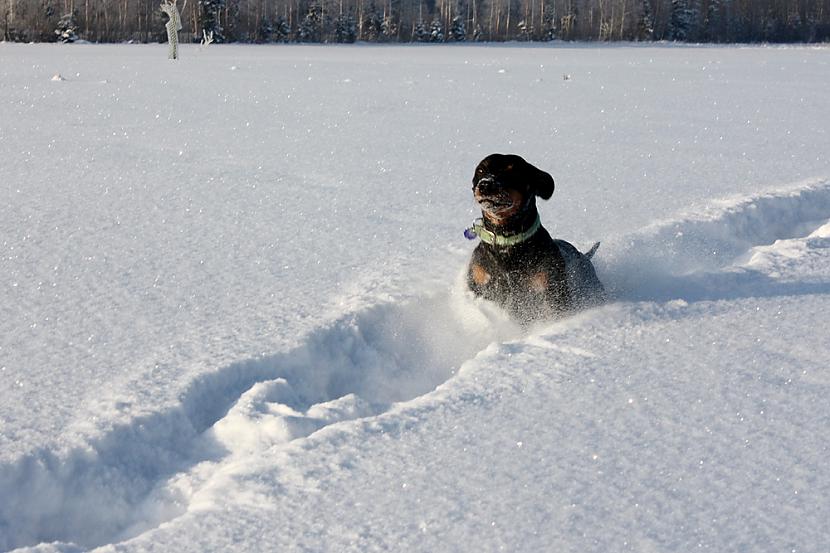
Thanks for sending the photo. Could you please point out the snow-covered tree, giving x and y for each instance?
(645, 24)
(458, 32)
(436, 31)
(711, 22)
(67, 29)
(769, 28)
(265, 30)
(345, 28)
(680, 21)
(311, 27)
(548, 30)
(388, 28)
(525, 30)
(420, 32)
(234, 25)
(282, 30)
(372, 24)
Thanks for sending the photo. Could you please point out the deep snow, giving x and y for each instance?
(233, 316)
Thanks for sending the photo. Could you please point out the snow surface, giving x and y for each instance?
(233, 315)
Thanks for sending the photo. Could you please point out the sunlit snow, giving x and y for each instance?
(232, 314)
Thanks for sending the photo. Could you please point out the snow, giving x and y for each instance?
(233, 314)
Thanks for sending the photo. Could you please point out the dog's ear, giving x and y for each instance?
(541, 183)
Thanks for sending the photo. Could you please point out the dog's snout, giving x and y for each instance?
(486, 185)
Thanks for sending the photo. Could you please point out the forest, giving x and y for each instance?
(437, 21)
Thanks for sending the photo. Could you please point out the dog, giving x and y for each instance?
(517, 264)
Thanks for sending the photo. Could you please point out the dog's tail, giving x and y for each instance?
(590, 253)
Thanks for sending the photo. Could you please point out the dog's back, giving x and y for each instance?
(585, 288)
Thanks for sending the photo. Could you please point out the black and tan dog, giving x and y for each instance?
(517, 264)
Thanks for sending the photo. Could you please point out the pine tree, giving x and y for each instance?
(388, 28)
(680, 20)
(282, 30)
(420, 32)
(345, 28)
(525, 30)
(234, 29)
(458, 32)
(711, 23)
(265, 30)
(67, 30)
(436, 31)
(548, 24)
(372, 24)
(693, 13)
(737, 25)
(311, 27)
(645, 26)
(769, 28)
(794, 26)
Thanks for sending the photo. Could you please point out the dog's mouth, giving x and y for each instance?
(496, 203)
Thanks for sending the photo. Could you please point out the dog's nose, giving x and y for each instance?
(485, 185)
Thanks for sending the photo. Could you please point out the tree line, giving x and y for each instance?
(344, 21)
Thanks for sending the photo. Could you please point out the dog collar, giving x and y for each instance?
(490, 237)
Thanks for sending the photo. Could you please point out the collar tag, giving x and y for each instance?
(477, 230)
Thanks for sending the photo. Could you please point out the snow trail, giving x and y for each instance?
(136, 476)
(701, 255)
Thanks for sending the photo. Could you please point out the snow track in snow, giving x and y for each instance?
(702, 255)
(140, 475)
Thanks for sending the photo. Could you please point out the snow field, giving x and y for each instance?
(260, 336)
(149, 472)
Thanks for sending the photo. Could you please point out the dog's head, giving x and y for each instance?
(505, 185)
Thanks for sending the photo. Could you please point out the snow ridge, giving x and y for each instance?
(701, 254)
(138, 476)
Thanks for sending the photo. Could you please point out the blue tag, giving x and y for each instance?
(470, 234)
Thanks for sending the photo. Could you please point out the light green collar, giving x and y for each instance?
(490, 237)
